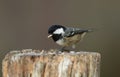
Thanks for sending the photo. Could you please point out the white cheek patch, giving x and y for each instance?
(59, 31)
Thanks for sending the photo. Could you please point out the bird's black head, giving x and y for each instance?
(53, 28)
(56, 32)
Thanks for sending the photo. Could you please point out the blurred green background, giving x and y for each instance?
(24, 24)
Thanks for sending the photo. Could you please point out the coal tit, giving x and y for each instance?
(66, 36)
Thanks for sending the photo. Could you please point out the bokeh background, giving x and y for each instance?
(24, 24)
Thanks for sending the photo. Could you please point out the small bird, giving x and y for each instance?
(66, 36)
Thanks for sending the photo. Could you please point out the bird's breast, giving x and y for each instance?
(68, 41)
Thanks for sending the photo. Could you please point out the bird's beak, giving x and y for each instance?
(49, 36)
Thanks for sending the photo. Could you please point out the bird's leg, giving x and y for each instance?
(60, 50)
(63, 49)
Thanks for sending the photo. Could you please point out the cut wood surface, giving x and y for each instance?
(40, 63)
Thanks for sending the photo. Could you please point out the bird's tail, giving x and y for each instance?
(89, 30)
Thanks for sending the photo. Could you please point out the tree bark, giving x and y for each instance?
(36, 63)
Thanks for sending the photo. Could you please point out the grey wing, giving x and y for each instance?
(72, 31)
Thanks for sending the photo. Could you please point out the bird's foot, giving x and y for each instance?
(64, 50)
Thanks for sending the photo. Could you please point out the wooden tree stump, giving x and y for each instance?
(36, 63)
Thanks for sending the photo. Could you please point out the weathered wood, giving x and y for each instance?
(36, 63)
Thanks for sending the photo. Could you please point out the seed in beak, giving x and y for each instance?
(50, 36)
